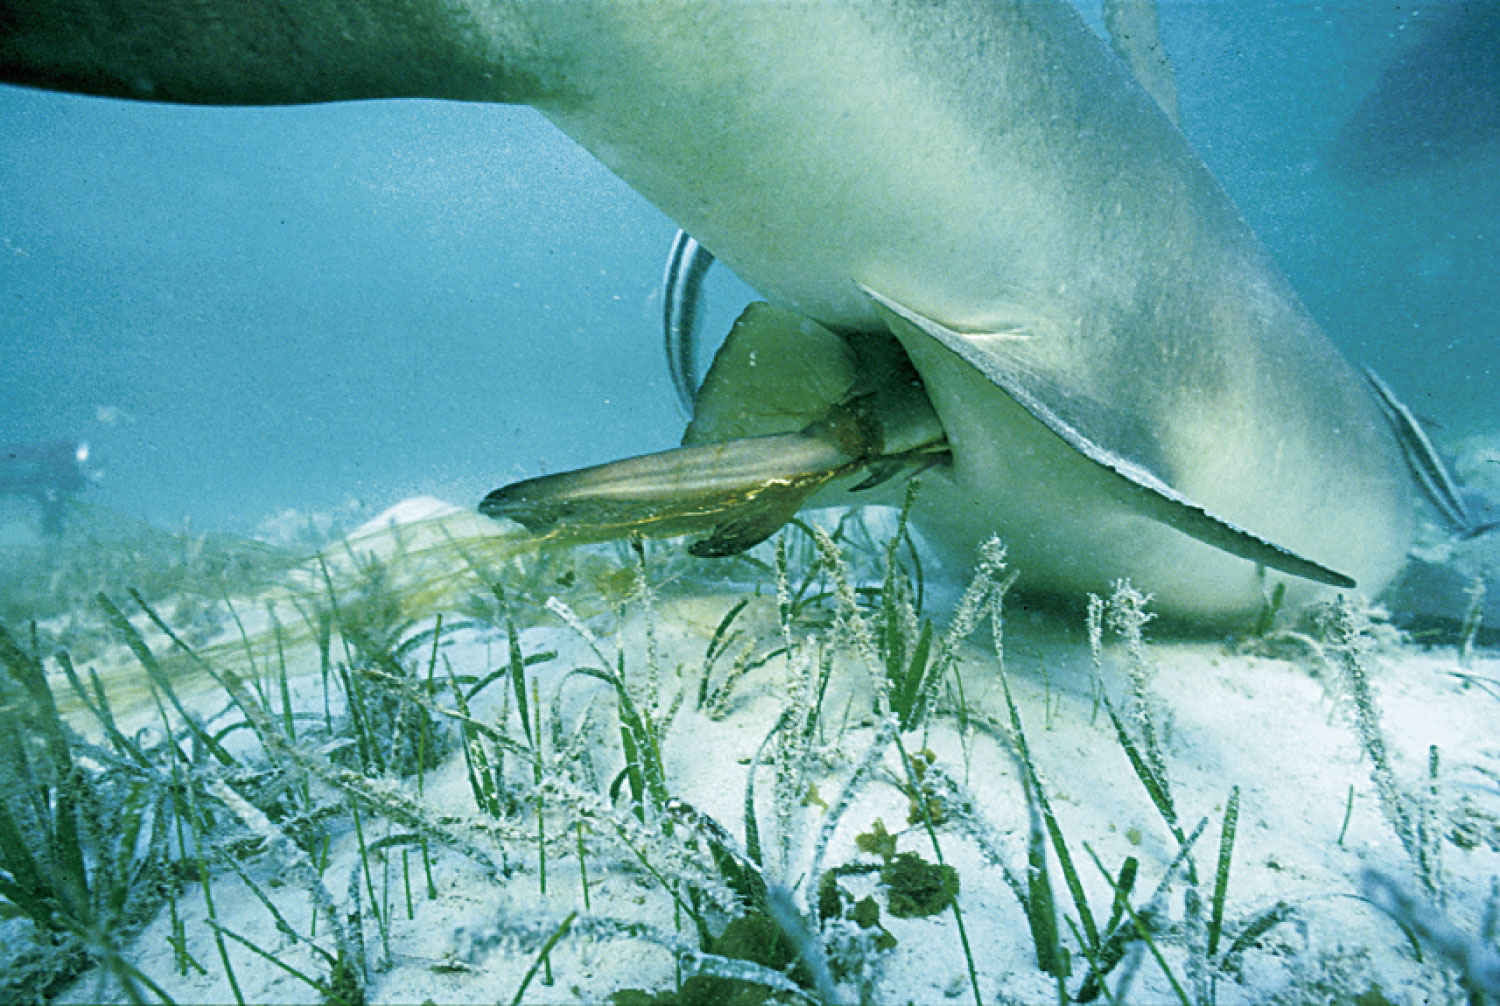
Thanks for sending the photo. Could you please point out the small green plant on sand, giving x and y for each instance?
(84, 832)
(574, 756)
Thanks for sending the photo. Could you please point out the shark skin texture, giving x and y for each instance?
(1128, 385)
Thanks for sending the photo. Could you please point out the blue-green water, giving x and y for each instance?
(255, 316)
(328, 308)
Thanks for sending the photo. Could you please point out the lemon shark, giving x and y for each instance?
(1095, 355)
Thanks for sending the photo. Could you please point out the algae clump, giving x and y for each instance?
(917, 887)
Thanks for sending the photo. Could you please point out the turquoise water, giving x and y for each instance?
(264, 319)
(330, 308)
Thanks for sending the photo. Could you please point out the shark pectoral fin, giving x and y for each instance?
(1163, 504)
(1138, 487)
(737, 492)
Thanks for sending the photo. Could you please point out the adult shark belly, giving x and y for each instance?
(990, 169)
(993, 168)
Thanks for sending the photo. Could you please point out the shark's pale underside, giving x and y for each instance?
(1126, 383)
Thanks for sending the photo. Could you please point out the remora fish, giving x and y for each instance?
(1127, 384)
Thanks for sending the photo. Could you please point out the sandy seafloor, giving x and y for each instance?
(1265, 717)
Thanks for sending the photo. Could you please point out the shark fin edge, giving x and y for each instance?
(1141, 490)
(1424, 462)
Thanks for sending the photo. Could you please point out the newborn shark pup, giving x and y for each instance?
(1124, 383)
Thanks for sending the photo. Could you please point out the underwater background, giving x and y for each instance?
(326, 309)
(425, 757)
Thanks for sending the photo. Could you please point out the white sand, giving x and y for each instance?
(1267, 726)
